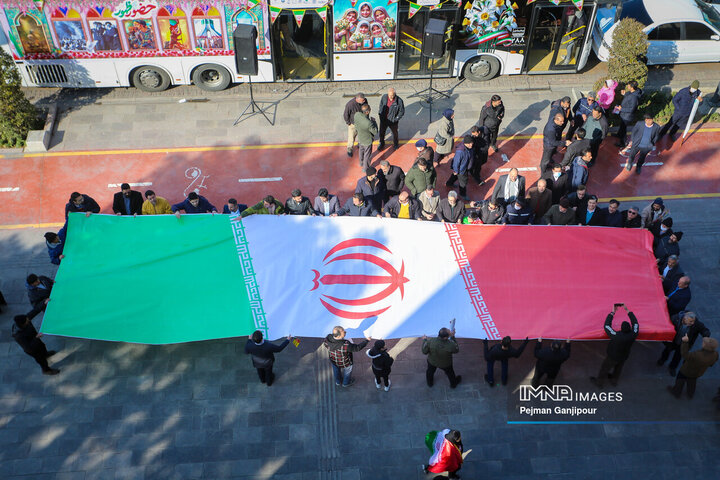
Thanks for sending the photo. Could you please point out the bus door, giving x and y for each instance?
(557, 38)
(410, 61)
(301, 52)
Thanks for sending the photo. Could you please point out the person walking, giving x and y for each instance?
(549, 361)
(447, 450)
(340, 352)
(445, 136)
(618, 349)
(351, 108)
(500, 352)
(596, 128)
(552, 139)
(28, 338)
(643, 138)
(263, 357)
(460, 164)
(491, 116)
(366, 128)
(381, 363)
(694, 366)
(391, 111)
(627, 109)
(439, 353)
(683, 104)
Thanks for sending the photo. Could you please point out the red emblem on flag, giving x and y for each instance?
(394, 280)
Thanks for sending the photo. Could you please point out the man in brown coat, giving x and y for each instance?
(694, 365)
(540, 200)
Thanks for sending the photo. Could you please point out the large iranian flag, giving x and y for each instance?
(158, 279)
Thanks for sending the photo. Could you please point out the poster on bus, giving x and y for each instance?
(364, 26)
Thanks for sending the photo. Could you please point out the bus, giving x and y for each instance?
(153, 44)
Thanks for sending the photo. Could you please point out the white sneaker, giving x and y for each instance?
(377, 384)
(387, 389)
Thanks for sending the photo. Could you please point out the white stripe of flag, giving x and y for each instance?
(139, 184)
(268, 179)
(9, 189)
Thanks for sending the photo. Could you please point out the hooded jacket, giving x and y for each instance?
(446, 130)
(381, 360)
(374, 191)
(341, 350)
(490, 116)
(259, 209)
(618, 348)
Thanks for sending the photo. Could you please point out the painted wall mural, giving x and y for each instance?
(128, 28)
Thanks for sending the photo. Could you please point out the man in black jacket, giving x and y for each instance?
(450, 210)
(489, 212)
(500, 352)
(590, 215)
(671, 273)
(39, 289)
(356, 206)
(392, 177)
(481, 143)
(631, 218)
(403, 206)
(263, 357)
(81, 203)
(391, 111)
(552, 139)
(557, 181)
(579, 143)
(627, 109)
(491, 116)
(549, 360)
(28, 338)
(127, 201)
(685, 323)
(508, 187)
(643, 138)
(340, 351)
(618, 348)
(297, 204)
(667, 246)
(679, 298)
(351, 108)
(613, 215)
(561, 106)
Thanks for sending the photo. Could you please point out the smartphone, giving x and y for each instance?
(619, 304)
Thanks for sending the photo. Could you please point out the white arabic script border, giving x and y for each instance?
(251, 286)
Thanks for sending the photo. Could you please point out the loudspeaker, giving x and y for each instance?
(434, 38)
(246, 61)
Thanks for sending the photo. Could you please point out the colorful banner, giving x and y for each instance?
(414, 8)
(274, 12)
(298, 14)
(369, 27)
(157, 279)
(322, 12)
(578, 3)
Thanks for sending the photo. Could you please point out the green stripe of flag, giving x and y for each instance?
(154, 279)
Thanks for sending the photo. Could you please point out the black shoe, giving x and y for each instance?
(637, 169)
(350, 153)
(396, 146)
(51, 371)
(672, 391)
(425, 469)
(381, 147)
(458, 379)
(672, 371)
(492, 384)
(271, 380)
(431, 383)
(50, 353)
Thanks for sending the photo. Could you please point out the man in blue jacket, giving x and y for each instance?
(552, 138)
(55, 243)
(460, 164)
(643, 138)
(627, 109)
(581, 112)
(194, 203)
(683, 103)
(356, 206)
(372, 188)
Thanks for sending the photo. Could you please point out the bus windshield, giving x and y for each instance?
(709, 14)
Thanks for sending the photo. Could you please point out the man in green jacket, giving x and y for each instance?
(440, 351)
(420, 176)
(268, 206)
(367, 128)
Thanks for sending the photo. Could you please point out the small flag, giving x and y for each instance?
(530, 1)
(298, 14)
(414, 8)
(296, 342)
(390, 2)
(578, 3)
(555, 1)
(274, 12)
(322, 11)
(252, 4)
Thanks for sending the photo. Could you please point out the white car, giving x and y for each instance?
(679, 31)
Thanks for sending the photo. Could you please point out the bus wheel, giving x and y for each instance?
(211, 78)
(150, 79)
(481, 68)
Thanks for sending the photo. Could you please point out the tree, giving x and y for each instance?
(627, 53)
(17, 114)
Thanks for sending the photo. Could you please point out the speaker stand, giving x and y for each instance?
(253, 107)
(428, 95)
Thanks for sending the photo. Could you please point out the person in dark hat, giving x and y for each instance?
(667, 246)
(262, 353)
(28, 338)
(549, 360)
(445, 136)
(663, 229)
(560, 214)
(372, 188)
(654, 213)
(518, 213)
(381, 364)
(683, 103)
(424, 151)
(618, 349)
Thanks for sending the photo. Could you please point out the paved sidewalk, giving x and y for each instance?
(197, 410)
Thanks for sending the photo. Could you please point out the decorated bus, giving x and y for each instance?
(152, 44)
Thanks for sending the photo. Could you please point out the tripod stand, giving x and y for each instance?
(429, 98)
(253, 105)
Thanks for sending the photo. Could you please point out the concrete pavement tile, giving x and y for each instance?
(274, 433)
(189, 471)
(130, 473)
